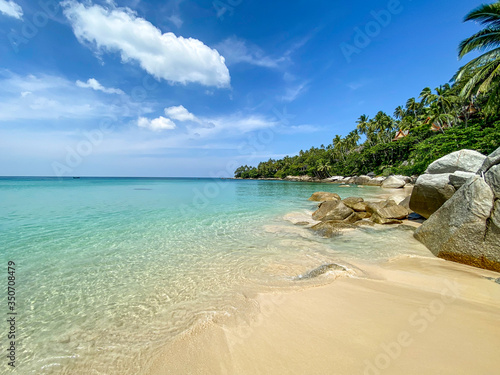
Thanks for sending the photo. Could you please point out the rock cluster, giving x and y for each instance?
(391, 182)
(466, 227)
(442, 179)
(336, 215)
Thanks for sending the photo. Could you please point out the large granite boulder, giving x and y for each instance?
(388, 212)
(406, 203)
(430, 192)
(490, 161)
(355, 203)
(442, 178)
(362, 180)
(492, 177)
(392, 212)
(458, 178)
(393, 182)
(463, 160)
(332, 210)
(322, 196)
(334, 178)
(466, 228)
(376, 181)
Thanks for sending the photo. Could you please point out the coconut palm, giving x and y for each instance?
(482, 74)
(400, 113)
(363, 122)
(414, 107)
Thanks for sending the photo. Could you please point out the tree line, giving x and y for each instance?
(463, 113)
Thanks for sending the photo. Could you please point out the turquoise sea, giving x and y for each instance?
(110, 269)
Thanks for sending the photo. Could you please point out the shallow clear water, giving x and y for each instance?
(110, 269)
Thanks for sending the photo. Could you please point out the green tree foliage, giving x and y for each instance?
(446, 119)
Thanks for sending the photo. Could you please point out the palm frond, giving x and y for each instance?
(482, 40)
(486, 14)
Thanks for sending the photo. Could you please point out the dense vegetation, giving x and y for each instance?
(458, 115)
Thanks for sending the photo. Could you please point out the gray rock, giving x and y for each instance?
(377, 181)
(393, 182)
(331, 228)
(406, 203)
(430, 193)
(493, 179)
(490, 161)
(406, 179)
(371, 174)
(335, 178)
(320, 271)
(376, 218)
(362, 180)
(372, 207)
(463, 160)
(364, 222)
(355, 203)
(466, 229)
(354, 217)
(332, 210)
(392, 212)
(458, 178)
(322, 196)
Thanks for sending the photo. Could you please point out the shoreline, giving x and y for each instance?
(408, 309)
(381, 317)
(340, 180)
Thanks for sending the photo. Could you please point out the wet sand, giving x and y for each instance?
(409, 315)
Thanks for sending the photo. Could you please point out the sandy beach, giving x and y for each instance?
(409, 315)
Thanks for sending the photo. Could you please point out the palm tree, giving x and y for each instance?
(414, 107)
(427, 96)
(435, 116)
(363, 124)
(400, 113)
(482, 74)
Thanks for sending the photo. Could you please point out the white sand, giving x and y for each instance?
(412, 316)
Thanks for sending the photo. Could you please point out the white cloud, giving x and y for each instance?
(157, 124)
(237, 51)
(94, 84)
(49, 97)
(165, 56)
(294, 92)
(180, 113)
(12, 9)
(176, 20)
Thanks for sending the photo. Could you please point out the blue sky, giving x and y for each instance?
(197, 88)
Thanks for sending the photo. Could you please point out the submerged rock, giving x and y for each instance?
(331, 228)
(322, 196)
(321, 270)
